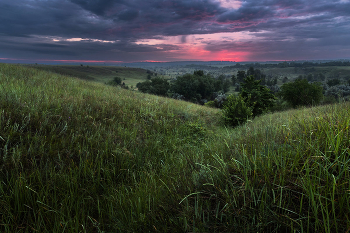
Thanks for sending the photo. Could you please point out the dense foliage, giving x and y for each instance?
(258, 97)
(117, 80)
(223, 83)
(333, 82)
(236, 111)
(157, 86)
(195, 87)
(292, 64)
(338, 91)
(301, 93)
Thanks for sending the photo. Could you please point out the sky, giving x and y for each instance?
(173, 30)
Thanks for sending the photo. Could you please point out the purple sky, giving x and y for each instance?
(173, 30)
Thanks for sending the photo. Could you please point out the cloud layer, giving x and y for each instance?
(169, 30)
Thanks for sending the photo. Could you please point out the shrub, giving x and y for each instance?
(235, 111)
(338, 91)
(301, 92)
(144, 86)
(157, 86)
(195, 87)
(160, 86)
(333, 82)
(257, 96)
(117, 80)
(220, 100)
(210, 104)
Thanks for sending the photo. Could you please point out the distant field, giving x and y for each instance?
(102, 74)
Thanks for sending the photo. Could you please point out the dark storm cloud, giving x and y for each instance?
(247, 14)
(128, 14)
(41, 27)
(102, 18)
(98, 7)
(33, 48)
(273, 14)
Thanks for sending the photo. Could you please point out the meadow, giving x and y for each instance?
(81, 156)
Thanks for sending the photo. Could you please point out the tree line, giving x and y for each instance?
(291, 64)
(253, 98)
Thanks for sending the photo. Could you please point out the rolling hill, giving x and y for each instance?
(81, 156)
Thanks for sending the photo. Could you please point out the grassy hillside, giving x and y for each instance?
(78, 156)
(103, 74)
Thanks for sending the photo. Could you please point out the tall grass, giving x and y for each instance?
(78, 156)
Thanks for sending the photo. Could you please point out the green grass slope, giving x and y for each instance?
(103, 74)
(78, 156)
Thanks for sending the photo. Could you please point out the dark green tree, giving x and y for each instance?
(224, 83)
(117, 80)
(157, 86)
(258, 97)
(144, 87)
(241, 75)
(199, 72)
(195, 87)
(301, 92)
(236, 111)
(256, 73)
(233, 80)
(251, 71)
(333, 82)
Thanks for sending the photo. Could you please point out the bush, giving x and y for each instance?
(117, 80)
(220, 100)
(195, 87)
(329, 100)
(301, 93)
(160, 86)
(235, 111)
(144, 86)
(333, 82)
(157, 86)
(338, 91)
(257, 96)
(210, 104)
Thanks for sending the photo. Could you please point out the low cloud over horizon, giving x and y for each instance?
(174, 30)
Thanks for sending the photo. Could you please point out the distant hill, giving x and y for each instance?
(103, 74)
